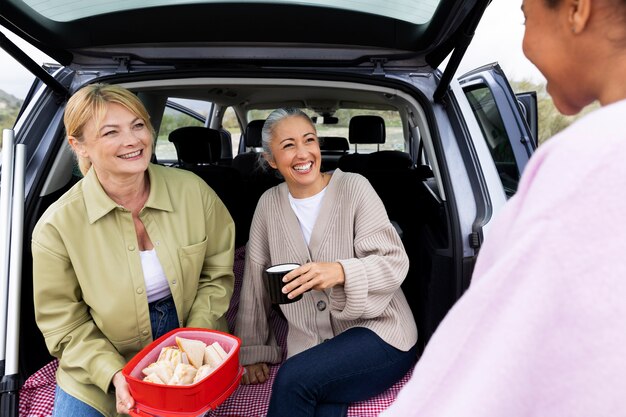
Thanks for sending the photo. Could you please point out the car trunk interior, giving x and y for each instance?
(412, 197)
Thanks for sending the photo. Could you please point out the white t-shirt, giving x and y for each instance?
(154, 276)
(306, 210)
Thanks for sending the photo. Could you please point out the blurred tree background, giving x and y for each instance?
(9, 109)
(550, 121)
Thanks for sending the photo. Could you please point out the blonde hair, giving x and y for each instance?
(90, 103)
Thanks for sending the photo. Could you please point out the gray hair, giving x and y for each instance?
(272, 120)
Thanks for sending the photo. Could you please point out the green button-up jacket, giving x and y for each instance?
(89, 289)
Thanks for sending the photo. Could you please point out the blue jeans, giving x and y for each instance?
(66, 405)
(163, 318)
(353, 366)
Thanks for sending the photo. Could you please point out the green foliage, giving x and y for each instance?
(174, 120)
(8, 117)
(11, 101)
(551, 121)
(9, 109)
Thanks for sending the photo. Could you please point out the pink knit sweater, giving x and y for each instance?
(542, 329)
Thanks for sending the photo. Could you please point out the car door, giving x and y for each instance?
(502, 120)
(494, 144)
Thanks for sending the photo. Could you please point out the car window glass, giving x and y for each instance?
(494, 132)
(65, 10)
(231, 124)
(394, 135)
(173, 118)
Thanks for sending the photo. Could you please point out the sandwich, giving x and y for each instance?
(163, 369)
(171, 354)
(188, 362)
(183, 375)
(220, 350)
(194, 349)
(154, 378)
(202, 373)
(212, 357)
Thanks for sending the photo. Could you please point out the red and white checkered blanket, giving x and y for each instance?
(37, 394)
(253, 400)
(37, 397)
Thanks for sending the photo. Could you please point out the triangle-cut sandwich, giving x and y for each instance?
(220, 350)
(212, 356)
(194, 350)
(163, 369)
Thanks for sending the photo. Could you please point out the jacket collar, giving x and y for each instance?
(98, 203)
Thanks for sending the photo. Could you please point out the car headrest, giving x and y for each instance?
(367, 129)
(390, 160)
(197, 144)
(253, 134)
(333, 143)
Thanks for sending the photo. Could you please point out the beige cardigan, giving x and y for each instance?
(353, 229)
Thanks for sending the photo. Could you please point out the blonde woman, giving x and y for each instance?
(132, 251)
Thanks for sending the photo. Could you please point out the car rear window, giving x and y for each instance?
(412, 11)
(394, 134)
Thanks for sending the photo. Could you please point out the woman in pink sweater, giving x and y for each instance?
(542, 329)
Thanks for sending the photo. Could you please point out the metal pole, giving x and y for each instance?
(10, 381)
(6, 191)
(15, 267)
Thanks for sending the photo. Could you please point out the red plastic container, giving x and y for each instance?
(186, 400)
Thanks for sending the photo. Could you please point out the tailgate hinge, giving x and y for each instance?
(378, 65)
(123, 63)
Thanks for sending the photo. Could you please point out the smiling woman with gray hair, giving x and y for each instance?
(352, 335)
(542, 329)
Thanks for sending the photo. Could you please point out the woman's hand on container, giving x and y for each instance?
(124, 402)
(255, 374)
(313, 275)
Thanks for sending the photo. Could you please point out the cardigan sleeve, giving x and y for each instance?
(380, 263)
(252, 325)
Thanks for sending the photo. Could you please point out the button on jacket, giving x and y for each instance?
(89, 289)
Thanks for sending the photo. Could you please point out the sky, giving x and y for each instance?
(498, 38)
